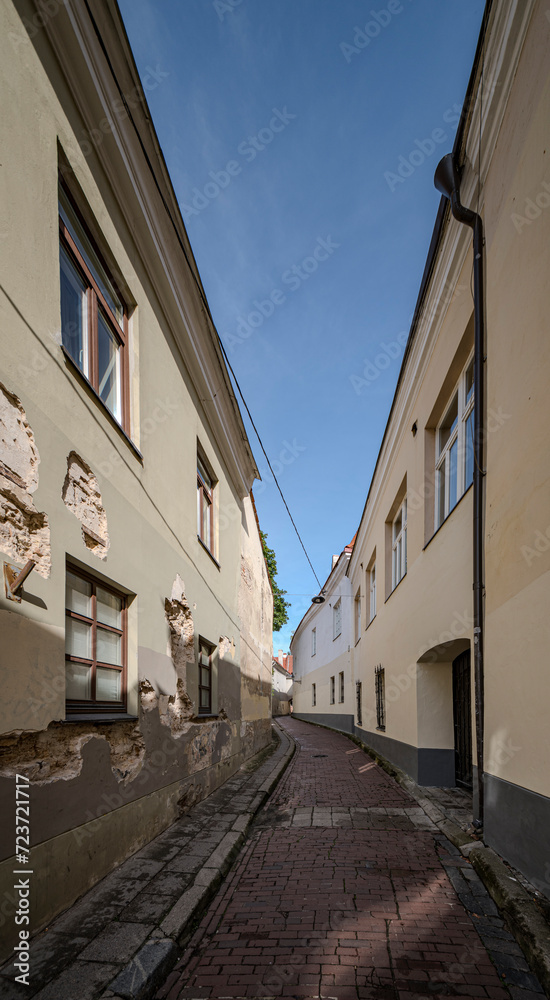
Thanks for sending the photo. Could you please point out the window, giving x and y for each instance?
(358, 616)
(313, 641)
(399, 544)
(314, 695)
(337, 619)
(380, 698)
(371, 574)
(94, 327)
(359, 700)
(341, 686)
(205, 505)
(95, 646)
(455, 447)
(332, 690)
(206, 652)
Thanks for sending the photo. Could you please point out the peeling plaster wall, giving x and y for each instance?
(82, 497)
(256, 615)
(24, 531)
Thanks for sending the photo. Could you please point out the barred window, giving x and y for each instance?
(359, 699)
(380, 687)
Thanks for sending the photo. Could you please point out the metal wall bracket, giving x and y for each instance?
(14, 578)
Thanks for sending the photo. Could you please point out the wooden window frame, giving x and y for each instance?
(96, 303)
(203, 709)
(314, 641)
(79, 707)
(357, 615)
(205, 504)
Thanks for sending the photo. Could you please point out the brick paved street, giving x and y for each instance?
(346, 889)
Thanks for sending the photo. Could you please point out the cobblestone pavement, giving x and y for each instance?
(346, 889)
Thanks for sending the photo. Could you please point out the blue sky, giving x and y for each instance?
(302, 137)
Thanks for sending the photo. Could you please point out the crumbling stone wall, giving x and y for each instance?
(24, 531)
(55, 754)
(175, 710)
(81, 495)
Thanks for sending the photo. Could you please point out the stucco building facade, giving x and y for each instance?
(321, 648)
(136, 657)
(412, 562)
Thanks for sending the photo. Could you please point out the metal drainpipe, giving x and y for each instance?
(447, 181)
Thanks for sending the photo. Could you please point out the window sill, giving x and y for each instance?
(100, 717)
(88, 385)
(380, 729)
(358, 640)
(370, 623)
(334, 638)
(395, 588)
(207, 550)
(450, 514)
(204, 718)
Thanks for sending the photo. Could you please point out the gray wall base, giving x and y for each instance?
(342, 722)
(424, 765)
(516, 826)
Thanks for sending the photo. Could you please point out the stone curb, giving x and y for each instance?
(522, 916)
(149, 967)
(526, 922)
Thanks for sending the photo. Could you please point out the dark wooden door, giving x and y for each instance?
(462, 711)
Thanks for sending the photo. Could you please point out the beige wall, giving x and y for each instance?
(518, 458)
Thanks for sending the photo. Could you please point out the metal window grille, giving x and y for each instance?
(337, 619)
(380, 697)
(341, 686)
(359, 713)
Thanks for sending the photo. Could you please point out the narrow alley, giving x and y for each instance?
(346, 889)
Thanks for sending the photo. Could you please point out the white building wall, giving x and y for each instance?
(332, 655)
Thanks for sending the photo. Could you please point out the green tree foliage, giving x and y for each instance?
(280, 613)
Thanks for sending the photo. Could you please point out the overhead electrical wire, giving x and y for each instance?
(195, 278)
